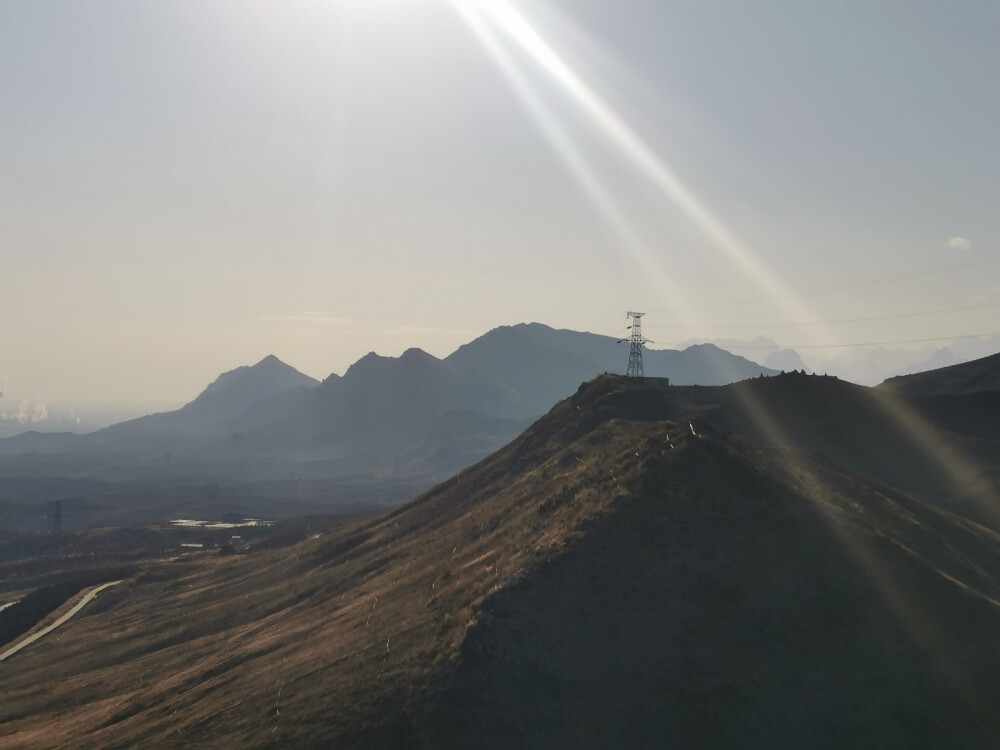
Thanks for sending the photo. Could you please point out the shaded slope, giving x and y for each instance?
(586, 586)
(868, 431)
(978, 376)
(720, 608)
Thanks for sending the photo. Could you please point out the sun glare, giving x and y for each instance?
(561, 141)
(504, 17)
(486, 16)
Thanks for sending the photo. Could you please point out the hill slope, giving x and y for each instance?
(608, 579)
(946, 448)
(978, 376)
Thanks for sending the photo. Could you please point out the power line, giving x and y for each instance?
(833, 322)
(823, 290)
(866, 343)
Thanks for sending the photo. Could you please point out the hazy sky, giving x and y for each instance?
(186, 187)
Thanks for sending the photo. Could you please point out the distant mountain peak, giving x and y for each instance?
(411, 356)
(365, 364)
(414, 351)
(785, 360)
(238, 389)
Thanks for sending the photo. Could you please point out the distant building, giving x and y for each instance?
(655, 379)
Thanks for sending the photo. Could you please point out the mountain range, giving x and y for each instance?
(859, 364)
(645, 566)
(388, 415)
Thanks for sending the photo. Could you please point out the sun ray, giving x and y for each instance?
(827, 501)
(505, 17)
(969, 480)
(965, 474)
(560, 140)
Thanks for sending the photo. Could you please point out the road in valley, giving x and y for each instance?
(45, 631)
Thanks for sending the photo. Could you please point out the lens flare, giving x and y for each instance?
(506, 18)
(560, 140)
(485, 15)
(830, 505)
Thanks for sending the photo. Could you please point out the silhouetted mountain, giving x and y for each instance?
(228, 398)
(383, 409)
(755, 350)
(39, 442)
(236, 391)
(978, 376)
(940, 358)
(383, 404)
(542, 365)
(609, 579)
(787, 360)
(861, 365)
(963, 399)
(239, 399)
(398, 417)
(902, 442)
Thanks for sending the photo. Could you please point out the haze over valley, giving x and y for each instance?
(705, 546)
(499, 373)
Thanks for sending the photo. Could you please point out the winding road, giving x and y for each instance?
(45, 631)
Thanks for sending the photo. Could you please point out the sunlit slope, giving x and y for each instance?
(587, 586)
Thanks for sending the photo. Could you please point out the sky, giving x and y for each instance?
(187, 187)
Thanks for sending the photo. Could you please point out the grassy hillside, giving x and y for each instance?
(608, 579)
(979, 376)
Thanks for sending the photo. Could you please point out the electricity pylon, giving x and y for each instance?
(635, 349)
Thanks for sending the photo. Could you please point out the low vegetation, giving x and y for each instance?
(611, 578)
(27, 612)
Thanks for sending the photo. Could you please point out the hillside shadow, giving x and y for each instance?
(719, 609)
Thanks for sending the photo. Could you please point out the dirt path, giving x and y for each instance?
(45, 631)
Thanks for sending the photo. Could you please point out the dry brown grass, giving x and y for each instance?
(585, 579)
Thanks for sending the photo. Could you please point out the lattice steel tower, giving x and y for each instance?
(635, 349)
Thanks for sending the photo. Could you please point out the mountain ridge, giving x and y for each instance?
(978, 376)
(379, 411)
(239, 389)
(607, 578)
